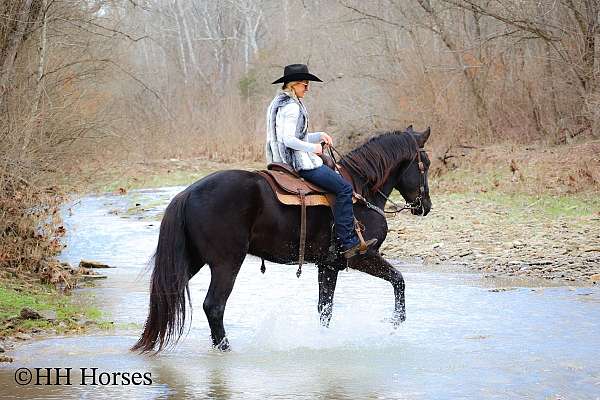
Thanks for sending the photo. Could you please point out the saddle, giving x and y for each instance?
(291, 189)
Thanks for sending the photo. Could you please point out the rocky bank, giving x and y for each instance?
(497, 240)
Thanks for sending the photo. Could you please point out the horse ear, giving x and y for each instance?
(424, 136)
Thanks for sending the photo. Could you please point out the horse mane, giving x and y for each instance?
(375, 159)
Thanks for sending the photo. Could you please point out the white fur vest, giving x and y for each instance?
(276, 150)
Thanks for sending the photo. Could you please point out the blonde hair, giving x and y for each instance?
(287, 88)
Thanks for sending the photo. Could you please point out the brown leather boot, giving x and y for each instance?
(353, 251)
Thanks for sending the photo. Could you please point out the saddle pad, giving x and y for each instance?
(309, 200)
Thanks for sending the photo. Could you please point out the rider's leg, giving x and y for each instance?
(343, 213)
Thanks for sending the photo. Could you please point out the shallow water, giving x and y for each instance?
(460, 340)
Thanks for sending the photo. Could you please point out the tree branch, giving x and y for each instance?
(371, 16)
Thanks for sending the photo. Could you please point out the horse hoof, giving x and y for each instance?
(325, 321)
(223, 345)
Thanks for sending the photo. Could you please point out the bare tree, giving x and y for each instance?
(569, 30)
(20, 18)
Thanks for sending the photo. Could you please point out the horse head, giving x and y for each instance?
(411, 178)
(392, 160)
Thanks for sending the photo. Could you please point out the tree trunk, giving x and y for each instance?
(589, 49)
(180, 34)
(43, 55)
(43, 51)
(481, 107)
(9, 54)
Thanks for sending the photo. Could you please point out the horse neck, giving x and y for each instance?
(404, 156)
(386, 190)
(379, 198)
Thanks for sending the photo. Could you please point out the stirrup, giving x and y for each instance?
(360, 248)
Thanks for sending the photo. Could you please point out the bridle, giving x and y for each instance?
(415, 204)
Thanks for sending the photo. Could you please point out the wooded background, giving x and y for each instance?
(95, 81)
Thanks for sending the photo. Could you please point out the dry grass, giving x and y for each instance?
(30, 229)
(534, 169)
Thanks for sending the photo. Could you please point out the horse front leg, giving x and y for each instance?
(374, 264)
(327, 281)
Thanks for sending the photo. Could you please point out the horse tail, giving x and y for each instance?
(169, 282)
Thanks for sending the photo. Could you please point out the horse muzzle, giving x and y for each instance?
(422, 207)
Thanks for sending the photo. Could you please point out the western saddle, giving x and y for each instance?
(291, 189)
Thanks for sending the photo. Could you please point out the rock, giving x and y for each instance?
(49, 315)
(2, 349)
(85, 322)
(498, 290)
(66, 265)
(92, 264)
(90, 277)
(28, 313)
(23, 336)
(6, 359)
(518, 244)
(541, 262)
(590, 249)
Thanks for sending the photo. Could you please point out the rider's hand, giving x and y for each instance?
(318, 148)
(326, 138)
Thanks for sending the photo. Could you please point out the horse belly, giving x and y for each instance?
(231, 211)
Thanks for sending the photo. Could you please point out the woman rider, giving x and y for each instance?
(288, 141)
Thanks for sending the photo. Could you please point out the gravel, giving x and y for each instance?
(498, 241)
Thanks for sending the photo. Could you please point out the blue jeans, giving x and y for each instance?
(343, 214)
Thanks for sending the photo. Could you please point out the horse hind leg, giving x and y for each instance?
(222, 279)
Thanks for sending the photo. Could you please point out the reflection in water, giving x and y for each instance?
(218, 385)
(460, 340)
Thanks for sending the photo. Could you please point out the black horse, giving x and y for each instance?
(228, 214)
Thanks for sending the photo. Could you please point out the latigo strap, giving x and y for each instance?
(301, 193)
(359, 228)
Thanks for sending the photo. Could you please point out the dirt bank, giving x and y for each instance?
(510, 210)
(499, 239)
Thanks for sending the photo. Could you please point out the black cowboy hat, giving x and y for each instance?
(296, 72)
